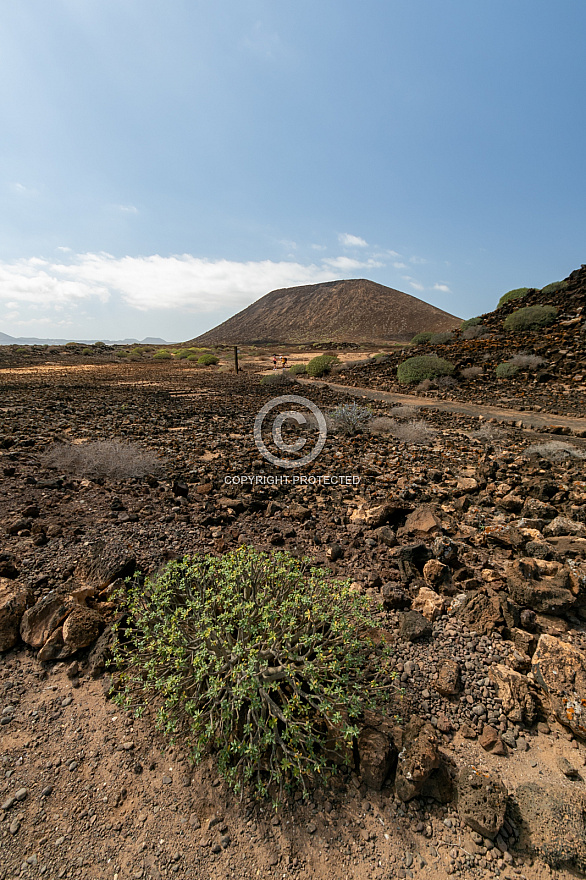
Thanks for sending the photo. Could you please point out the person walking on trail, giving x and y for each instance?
(284, 362)
(274, 362)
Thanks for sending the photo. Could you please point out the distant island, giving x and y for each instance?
(5, 339)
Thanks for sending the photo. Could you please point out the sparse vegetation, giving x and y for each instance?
(415, 432)
(471, 322)
(517, 293)
(181, 354)
(506, 370)
(208, 360)
(277, 378)
(103, 458)
(163, 355)
(472, 372)
(554, 287)
(555, 451)
(297, 369)
(441, 338)
(530, 318)
(526, 361)
(421, 338)
(415, 369)
(350, 418)
(475, 332)
(319, 366)
(260, 658)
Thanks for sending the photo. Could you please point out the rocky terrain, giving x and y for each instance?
(357, 311)
(552, 372)
(468, 536)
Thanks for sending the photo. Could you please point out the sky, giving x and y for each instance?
(164, 163)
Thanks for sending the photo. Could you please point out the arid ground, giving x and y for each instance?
(466, 531)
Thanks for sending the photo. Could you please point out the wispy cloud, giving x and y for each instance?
(400, 265)
(347, 240)
(347, 264)
(412, 283)
(126, 209)
(152, 282)
(443, 287)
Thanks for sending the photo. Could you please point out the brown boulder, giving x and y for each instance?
(560, 669)
(376, 755)
(46, 615)
(429, 603)
(102, 565)
(422, 521)
(14, 599)
(480, 612)
(482, 801)
(82, 627)
(417, 760)
(515, 692)
(448, 680)
(436, 573)
(543, 586)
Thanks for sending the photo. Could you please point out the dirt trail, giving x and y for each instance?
(532, 420)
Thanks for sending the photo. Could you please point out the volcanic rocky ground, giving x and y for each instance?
(469, 537)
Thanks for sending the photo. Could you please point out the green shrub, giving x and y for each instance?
(421, 338)
(554, 287)
(136, 352)
(259, 658)
(530, 318)
(181, 354)
(277, 378)
(192, 357)
(416, 369)
(207, 360)
(470, 322)
(518, 293)
(506, 371)
(122, 353)
(319, 366)
(87, 351)
(441, 338)
(298, 369)
(163, 355)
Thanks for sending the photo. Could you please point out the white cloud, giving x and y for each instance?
(414, 284)
(417, 261)
(347, 264)
(347, 240)
(126, 209)
(400, 265)
(443, 287)
(154, 282)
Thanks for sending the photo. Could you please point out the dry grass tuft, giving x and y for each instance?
(103, 458)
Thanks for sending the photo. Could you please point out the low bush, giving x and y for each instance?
(441, 338)
(415, 432)
(517, 293)
(470, 322)
(319, 366)
(163, 355)
(526, 361)
(277, 378)
(472, 372)
(103, 458)
(261, 659)
(554, 287)
(350, 418)
(506, 371)
(181, 354)
(122, 354)
(297, 369)
(208, 360)
(421, 338)
(403, 412)
(530, 318)
(475, 332)
(555, 450)
(415, 369)
(87, 351)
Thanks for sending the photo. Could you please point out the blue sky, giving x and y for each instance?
(164, 164)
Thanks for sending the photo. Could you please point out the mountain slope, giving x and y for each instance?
(338, 311)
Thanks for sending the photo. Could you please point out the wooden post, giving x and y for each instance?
(236, 358)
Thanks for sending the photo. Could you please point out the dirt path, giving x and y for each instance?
(536, 421)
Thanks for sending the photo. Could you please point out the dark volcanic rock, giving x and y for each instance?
(482, 801)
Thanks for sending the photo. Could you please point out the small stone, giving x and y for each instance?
(67, 702)
(311, 827)
(47, 791)
(14, 827)
(21, 794)
(166, 780)
(8, 803)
